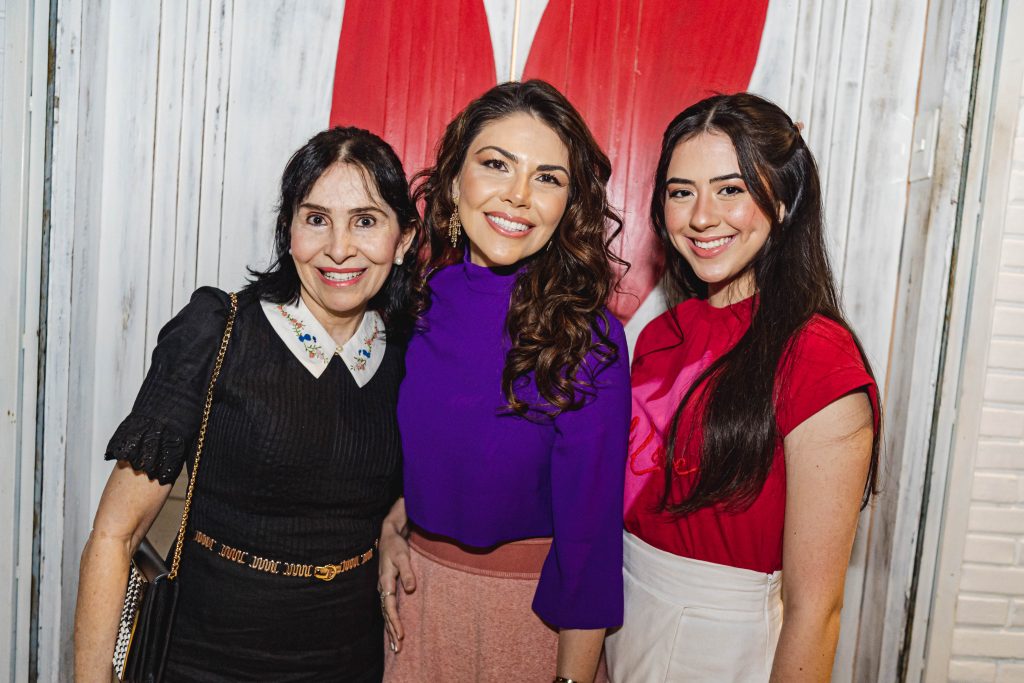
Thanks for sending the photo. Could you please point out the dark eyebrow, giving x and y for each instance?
(504, 152)
(716, 179)
(314, 207)
(545, 168)
(365, 209)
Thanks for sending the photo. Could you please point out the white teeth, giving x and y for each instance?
(506, 224)
(341, 277)
(713, 243)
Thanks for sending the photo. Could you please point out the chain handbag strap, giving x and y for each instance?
(180, 542)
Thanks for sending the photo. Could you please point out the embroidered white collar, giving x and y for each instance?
(307, 339)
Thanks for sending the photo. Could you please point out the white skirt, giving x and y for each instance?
(688, 620)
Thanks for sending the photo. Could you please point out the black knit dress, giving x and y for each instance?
(295, 468)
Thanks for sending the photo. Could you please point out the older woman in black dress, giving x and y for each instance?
(301, 458)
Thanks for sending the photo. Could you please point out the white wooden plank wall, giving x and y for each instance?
(176, 119)
(152, 197)
(23, 74)
(849, 71)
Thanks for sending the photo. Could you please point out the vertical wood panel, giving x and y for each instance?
(120, 296)
(838, 169)
(773, 73)
(166, 146)
(215, 131)
(275, 108)
(57, 547)
(879, 185)
(190, 155)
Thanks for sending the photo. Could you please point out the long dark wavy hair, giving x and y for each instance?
(793, 281)
(380, 166)
(556, 316)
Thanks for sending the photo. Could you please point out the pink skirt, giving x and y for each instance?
(470, 618)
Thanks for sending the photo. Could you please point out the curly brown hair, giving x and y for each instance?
(557, 314)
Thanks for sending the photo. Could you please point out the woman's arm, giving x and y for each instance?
(578, 653)
(130, 503)
(827, 458)
(394, 566)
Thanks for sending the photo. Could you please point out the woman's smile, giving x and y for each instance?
(507, 225)
(341, 277)
(709, 248)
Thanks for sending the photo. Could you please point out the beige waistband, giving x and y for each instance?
(517, 559)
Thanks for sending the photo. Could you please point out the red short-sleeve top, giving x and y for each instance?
(823, 365)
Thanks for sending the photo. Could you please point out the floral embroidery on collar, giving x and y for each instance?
(366, 342)
(310, 343)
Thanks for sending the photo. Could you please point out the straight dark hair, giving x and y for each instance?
(382, 169)
(793, 282)
(557, 314)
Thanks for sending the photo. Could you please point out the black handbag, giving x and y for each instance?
(147, 617)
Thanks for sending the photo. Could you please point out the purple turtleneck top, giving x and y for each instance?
(482, 476)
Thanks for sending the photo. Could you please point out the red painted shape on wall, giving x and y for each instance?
(630, 66)
(405, 69)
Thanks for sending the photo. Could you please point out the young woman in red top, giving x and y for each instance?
(754, 436)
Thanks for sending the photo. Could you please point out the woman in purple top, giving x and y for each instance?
(515, 408)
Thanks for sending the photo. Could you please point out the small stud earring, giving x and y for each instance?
(398, 261)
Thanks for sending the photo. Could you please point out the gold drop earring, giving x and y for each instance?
(454, 225)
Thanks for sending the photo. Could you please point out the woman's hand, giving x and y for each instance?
(827, 459)
(394, 566)
(130, 503)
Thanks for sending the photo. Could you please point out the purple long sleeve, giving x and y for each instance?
(479, 475)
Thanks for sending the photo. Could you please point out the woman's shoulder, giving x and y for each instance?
(825, 340)
(666, 329)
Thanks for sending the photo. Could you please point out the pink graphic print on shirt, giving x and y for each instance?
(654, 403)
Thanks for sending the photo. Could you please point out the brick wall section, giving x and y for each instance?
(988, 639)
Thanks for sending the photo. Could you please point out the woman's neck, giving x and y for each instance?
(722, 294)
(341, 327)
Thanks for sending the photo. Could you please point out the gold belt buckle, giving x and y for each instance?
(326, 572)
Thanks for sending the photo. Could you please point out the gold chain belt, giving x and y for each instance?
(324, 572)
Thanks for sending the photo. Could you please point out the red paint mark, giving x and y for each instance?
(630, 67)
(405, 69)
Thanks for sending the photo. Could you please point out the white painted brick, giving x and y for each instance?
(1006, 354)
(1000, 520)
(987, 643)
(1011, 672)
(996, 488)
(982, 611)
(1014, 221)
(1004, 388)
(1016, 187)
(1010, 287)
(1002, 422)
(1013, 253)
(971, 671)
(998, 580)
(1017, 613)
(1000, 455)
(990, 549)
(1008, 321)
